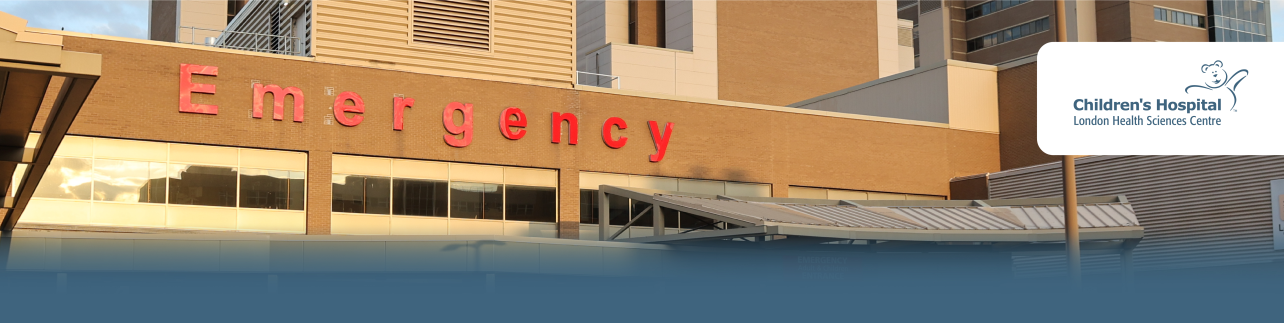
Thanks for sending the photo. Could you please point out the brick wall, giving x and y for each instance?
(137, 98)
(1018, 143)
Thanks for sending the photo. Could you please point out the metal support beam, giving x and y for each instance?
(1071, 220)
(603, 215)
(1125, 261)
(658, 218)
(630, 224)
(71, 97)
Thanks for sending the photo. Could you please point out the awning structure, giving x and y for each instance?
(29, 63)
(1032, 222)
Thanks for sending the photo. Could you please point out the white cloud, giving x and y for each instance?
(115, 18)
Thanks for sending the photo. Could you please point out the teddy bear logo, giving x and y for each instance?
(1218, 82)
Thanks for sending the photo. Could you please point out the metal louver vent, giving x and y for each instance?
(459, 23)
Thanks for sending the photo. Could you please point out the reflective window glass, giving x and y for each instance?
(272, 189)
(419, 197)
(66, 178)
(129, 181)
(588, 206)
(530, 203)
(348, 193)
(202, 185)
(476, 201)
(618, 209)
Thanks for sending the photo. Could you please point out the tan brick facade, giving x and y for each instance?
(137, 98)
(1018, 102)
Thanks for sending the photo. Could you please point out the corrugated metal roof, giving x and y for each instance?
(1019, 217)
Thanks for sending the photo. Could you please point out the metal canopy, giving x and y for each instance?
(29, 64)
(994, 221)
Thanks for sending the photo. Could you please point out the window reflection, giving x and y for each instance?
(476, 201)
(129, 181)
(66, 178)
(530, 203)
(271, 189)
(419, 197)
(360, 194)
(202, 185)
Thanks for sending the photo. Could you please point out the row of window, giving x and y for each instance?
(440, 198)
(983, 9)
(621, 210)
(1224, 35)
(172, 183)
(1180, 18)
(1239, 25)
(1007, 35)
(1251, 10)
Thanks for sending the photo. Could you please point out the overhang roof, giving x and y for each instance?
(34, 67)
(1025, 220)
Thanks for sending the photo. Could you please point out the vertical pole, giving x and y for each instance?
(1061, 21)
(1072, 219)
(603, 215)
(657, 219)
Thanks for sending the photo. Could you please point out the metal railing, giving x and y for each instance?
(239, 40)
(594, 79)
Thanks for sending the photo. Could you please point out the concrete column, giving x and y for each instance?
(319, 191)
(568, 197)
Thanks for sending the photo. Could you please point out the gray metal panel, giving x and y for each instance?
(957, 218)
(1198, 210)
(1102, 215)
(851, 216)
(745, 211)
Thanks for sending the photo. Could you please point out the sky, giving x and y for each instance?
(129, 18)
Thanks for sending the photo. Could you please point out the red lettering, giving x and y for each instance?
(186, 88)
(606, 132)
(278, 101)
(341, 107)
(571, 122)
(399, 106)
(506, 124)
(661, 140)
(465, 129)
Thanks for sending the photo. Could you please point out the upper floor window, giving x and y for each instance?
(983, 9)
(457, 23)
(1180, 18)
(1008, 35)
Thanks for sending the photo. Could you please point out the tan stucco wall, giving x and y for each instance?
(137, 98)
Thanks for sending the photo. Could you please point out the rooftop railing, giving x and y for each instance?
(254, 42)
(598, 80)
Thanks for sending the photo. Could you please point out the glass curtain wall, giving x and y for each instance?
(446, 199)
(124, 181)
(1239, 21)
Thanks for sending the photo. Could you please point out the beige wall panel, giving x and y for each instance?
(974, 99)
(262, 220)
(658, 183)
(530, 177)
(130, 150)
(56, 211)
(588, 232)
(128, 215)
(923, 197)
(75, 146)
(273, 159)
(638, 232)
(476, 227)
(846, 195)
(420, 169)
(359, 224)
(748, 189)
(701, 187)
(204, 155)
(530, 229)
(414, 225)
(29, 254)
(591, 180)
(531, 41)
(807, 193)
(886, 196)
(201, 218)
(244, 256)
(476, 173)
(362, 166)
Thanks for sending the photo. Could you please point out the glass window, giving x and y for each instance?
(419, 197)
(129, 181)
(272, 189)
(476, 201)
(645, 220)
(530, 203)
(618, 209)
(688, 221)
(360, 194)
(66, 178)
(202, 185)
(588, 206)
